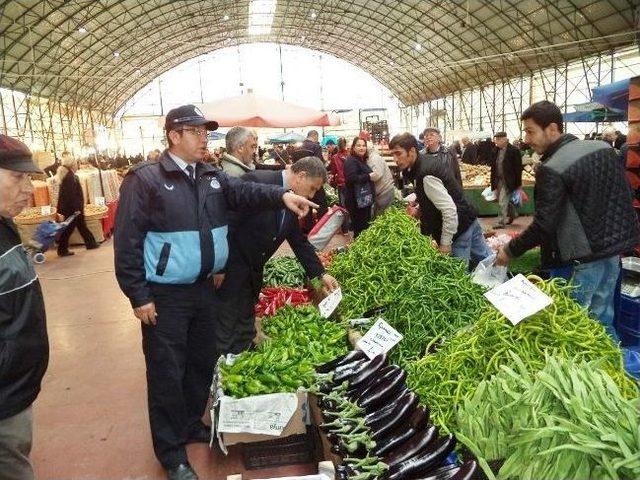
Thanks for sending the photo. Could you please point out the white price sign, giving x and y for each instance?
(380, 338)
(100, 201)
(45, 210)
(518, 299)
(330, 303)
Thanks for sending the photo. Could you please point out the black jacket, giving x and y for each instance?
(511, 168)
(310, 146)
(70, 197)
(470, 154)
(24, 345)
(430, 216)
(583, 206)
(356, 172)
(255, 236)
(168, 231)
(444, 156)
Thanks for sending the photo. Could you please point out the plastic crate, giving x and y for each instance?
(629, 313)
(291, 450)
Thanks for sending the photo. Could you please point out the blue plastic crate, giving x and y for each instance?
(629, 314)
(628, 336)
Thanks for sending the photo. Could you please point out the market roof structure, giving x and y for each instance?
(98, 54)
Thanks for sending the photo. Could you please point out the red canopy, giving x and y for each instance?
(250, 110)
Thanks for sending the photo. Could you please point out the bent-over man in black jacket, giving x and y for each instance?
(254, 237)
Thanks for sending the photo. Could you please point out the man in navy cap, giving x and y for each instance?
(170, 239)
(23, 331)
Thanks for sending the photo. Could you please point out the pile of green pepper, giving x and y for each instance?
(283, 272)
(299, 340)
(420, 292)
(454, 371)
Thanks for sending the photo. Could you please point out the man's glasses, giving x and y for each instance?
(200, 132)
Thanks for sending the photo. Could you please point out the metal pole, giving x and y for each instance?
(160, 94)
(200, 80)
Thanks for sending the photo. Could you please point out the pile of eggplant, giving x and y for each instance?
(376, 426)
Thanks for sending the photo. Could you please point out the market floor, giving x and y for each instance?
(90, 420)
(91, 416)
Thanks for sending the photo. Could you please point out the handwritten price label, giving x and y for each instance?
(518, 299)
(380, 338)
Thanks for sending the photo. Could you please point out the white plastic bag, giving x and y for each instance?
(488, 274)
(489, 195)
(321, 234)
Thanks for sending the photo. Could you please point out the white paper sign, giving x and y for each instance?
(259, 414)
(100, 201)
(518, 299)
(330, 303)
(380, 338)
(45, 210)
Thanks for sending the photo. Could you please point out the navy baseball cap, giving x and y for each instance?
(187, 115)
(16, 156)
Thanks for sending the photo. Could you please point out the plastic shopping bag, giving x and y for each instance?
(488, 274)
(489, 195)
(321, 234)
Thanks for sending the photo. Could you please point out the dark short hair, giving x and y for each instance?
(311, 133)
(342, 143)
(543, 114)
(406, 141)
(500, 135)
(352, 150)
(431, 129)
(312, 166)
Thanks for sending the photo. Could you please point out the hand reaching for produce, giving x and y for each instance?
(329, 284)
(446, 249)
(297, 204)
(146, 313)
(218, 279)
(502, 258)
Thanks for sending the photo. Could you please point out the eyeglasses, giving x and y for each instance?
(200, 132)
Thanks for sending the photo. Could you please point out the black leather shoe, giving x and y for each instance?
(65, 254)
(182, 472)
(200, 433)
(93, 246)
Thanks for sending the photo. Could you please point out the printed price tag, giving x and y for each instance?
(100, 201)
(518, 299)
(380, 338)
(45, 210)
(330, 303)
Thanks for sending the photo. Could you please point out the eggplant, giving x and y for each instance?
(467, 471)
(382, 391)
(376, 419)
(417, 443)
(348, 370)
(380, 376)
(375, 364)
(387, 373)
(423, 462)
(401, 436)
(338, 361)
(448, 472)
(401, 412)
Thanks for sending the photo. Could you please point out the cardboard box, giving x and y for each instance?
(227, 411)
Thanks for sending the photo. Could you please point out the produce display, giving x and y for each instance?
(567, 421)
(299, 339)
(475, 175)
(93, 210)
(283, 272)
(395, 270)
(376, 426)
(273, 299)
(33, 215)
(332, 196)
(444, 379)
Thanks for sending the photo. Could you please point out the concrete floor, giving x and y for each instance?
(90, 420)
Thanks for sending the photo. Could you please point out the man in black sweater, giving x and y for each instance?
(254, 237)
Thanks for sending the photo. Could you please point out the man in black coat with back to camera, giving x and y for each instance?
(506, 177)
(311, 148)
(254, 237)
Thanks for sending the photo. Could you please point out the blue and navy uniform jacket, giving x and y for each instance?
(171, 231)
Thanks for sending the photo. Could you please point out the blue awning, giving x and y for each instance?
(596, 115)
(614, 95)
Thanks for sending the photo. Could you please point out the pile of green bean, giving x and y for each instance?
(283, 272)
(422, 293)
(567, 421)
(447, 377)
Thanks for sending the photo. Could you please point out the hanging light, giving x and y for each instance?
(82, 30)
(116, 54)
(313, 14)
(225, 18)
(418, 47)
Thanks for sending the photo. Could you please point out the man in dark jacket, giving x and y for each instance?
(311, 148)
(469, 151)
(434, 149)
(445, 214)
(583, 215)
(170, 238)
(254, 237)
(24, 344)
(506, 177)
